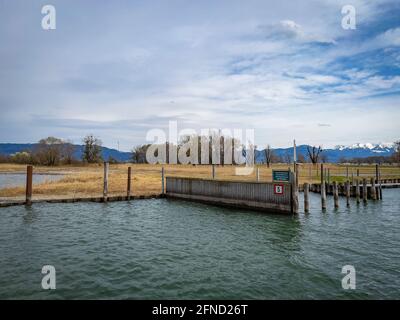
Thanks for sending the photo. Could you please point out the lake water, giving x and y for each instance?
(8, 180)
(159, 249)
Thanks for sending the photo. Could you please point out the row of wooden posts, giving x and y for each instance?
(29, 180)
(376, 190)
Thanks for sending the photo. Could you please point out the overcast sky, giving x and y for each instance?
(120, 68)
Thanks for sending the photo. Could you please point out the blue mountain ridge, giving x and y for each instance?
(333, 155)
(11, 148)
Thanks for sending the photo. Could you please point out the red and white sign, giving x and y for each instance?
(278, 188)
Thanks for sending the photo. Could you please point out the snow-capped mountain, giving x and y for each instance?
(357, 150)
(374, 147)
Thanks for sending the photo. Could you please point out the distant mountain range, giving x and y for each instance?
(11, 148)
(359, 150)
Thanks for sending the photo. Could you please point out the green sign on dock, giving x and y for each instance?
(280, 175)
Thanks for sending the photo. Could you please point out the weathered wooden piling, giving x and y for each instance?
(373, 190)
(128, 189)
(348, 193)
(357, 191)
(258, 174)
(29, 179)
(378, 182)
(323, 191)
(294, 192)
(335, 194)
(162, 181)
(213, 171)
(329, 175)
(105, 180)
(365, 192)
(306, 189)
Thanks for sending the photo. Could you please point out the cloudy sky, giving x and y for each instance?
(120, 68)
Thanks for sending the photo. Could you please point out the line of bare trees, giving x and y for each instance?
(52, 151)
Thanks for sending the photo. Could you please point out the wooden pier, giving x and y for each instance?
(263, 196)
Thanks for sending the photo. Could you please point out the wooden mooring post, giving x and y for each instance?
(128, 189)
(358, 191)
(258, 174)
(105, 180)
(348, 193)
(335, 194)
(306, 189)
(378, 182)
(323, 191)
(29, 179)
(294, 192)
(213, 171)
(373, 190)
(162, 181)
(365, 192)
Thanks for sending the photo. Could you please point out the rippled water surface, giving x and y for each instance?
(173, 249)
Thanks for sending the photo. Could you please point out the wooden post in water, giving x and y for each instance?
(105, 185)
(294, 193)
(306, 189)
(323, 191)
(358, 191)
(348, 193)
(162, 181)
(29, 178)
(365, 192)
(213, 172)
(329, 176)
(335, 194)
(258, 174)
(128, 189)
(380, 182)
(373, 190)
(347, 172)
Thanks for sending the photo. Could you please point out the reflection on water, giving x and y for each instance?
(175, 249)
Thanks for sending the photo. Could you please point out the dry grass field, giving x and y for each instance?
(87, 180)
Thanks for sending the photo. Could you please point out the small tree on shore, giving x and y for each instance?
(92, 149)
(269, 155)
(314, 153)
(48, 151)
(397, 151)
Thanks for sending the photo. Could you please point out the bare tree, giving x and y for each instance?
(67, 152)
(92, 149)
(48, 151)
(314, 153)
(139, 153)
(269, 155)
(397, 151)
